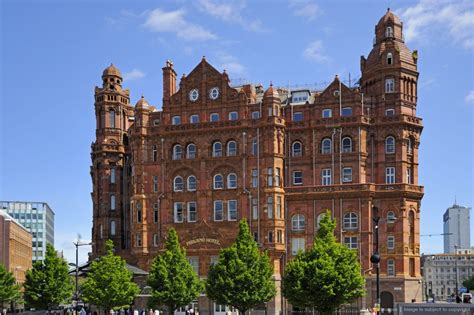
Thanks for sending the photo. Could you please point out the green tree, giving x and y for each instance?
(242, 277)
(469, 283)
(109, 285)
(172, 279)
(9, 289)
(48, 284)
(326, 276)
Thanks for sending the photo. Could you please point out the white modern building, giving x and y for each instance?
(457, 228)
(37, 218)
(443, 273)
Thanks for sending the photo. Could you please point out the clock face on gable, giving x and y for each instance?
(193, 95)
(214, 93)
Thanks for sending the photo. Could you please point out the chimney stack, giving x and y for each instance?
(169, 82)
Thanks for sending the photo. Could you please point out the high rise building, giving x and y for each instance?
(457, 228)
(37, 218)
(15, 246)
(216, 153)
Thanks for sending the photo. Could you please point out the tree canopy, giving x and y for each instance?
(242, 277)
(172, 279)
(9, 289)
(469, 283)
(48, 284)
(109, 284)
(325, 276)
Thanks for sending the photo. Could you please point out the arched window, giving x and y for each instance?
(192, 183)
(298, 222)
(154, 153)
(112, 202)
(326, 146)
(177, 152)
(389, 31)
(389, 58)
(218, 182)
(231, 148)
(296, 149)
(350, 221)
(216, 149)
(191, 151)
(390, 217)
(346, 144)
(112, 175)
(390, 145)
(112, 228)
(178, 183)
(231, 181)
(112, 118)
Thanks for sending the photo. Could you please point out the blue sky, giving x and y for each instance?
(53, 54)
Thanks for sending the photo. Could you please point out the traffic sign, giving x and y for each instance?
(463, 290)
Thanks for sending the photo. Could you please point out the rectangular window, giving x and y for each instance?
(327, 113)
(218, 210)
(176, 120)
(178, 212)
(155, 213)
(194, 119)
(139, 215)
(270, 236)
(270, 207)
(351, 242)
(390, 175)
(347, 174)
(112, 202)
(278, 208)
(112, 175)
(326, 178)
(390, 242)
(346, 111)
(389, 85)
(138, 240)
(298, 116)
(255, 115)
(269, 177)
(112, 119)
(214, 117)
(232, 210)
(254, 178)
(297, 178)
(192, 211)
(409, 176)
(214, 260)
(194, 262)
(277, 177)
(279, 236)
(254, 208)
(155, 240)
(254, 146)
(391, 267)
(233, 115)
(155, 183)
(390, 112)
(297, 244)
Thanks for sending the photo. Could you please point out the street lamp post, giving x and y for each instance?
(77, 244)
(375, 258)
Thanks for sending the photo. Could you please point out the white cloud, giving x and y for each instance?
(135, 74)
(315, 52)
(230, 12)
(469, 97)
(432, 19)
(175, 22)
(307, 9)
(231, 64)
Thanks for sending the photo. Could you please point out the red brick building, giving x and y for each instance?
(216, 154)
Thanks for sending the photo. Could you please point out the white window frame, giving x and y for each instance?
(232, 151)
(112, 118)
(297, 180)
(350, 221)
(347, 174)
(216, 152)
(270, 176)
(112, 175)
(254, 146)
(270, 207)
(192, 213)
(221, 210)
(112, 228)
(277, 177)
(190, 185)
(391, 217)
(346, 112)
(112, 202)
(194, 119)
(390, 175)
(178, 212)
(215, 184)
(176, 185)
(326, 113)
(391, 242)
(389, 85)
(295, 152)
(297, 116)
(254, 178)
(255, 114)
(298, 222)
(213, 117)
(390, 112)
(297, 244)
(232, 210)
(389, 31)
(408, 175)
(345, 147)
(176, 120)
(391, 271)
(154, 153)
(155, 183)
(326, 177)
(191, 154)
(389, 58)
(177, 152)
(194, 262)
(233, 115)
(390, 148)
(351, 242)
(324, 147)
(279, 204)
(232, 181)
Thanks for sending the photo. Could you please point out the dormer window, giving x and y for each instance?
(389, 31)
(299, 97)
(389, 58)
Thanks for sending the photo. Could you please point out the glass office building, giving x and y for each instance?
(38, 218)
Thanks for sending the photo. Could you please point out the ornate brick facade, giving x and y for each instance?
(216, 154)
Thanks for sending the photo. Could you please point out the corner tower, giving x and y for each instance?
(108, 152)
